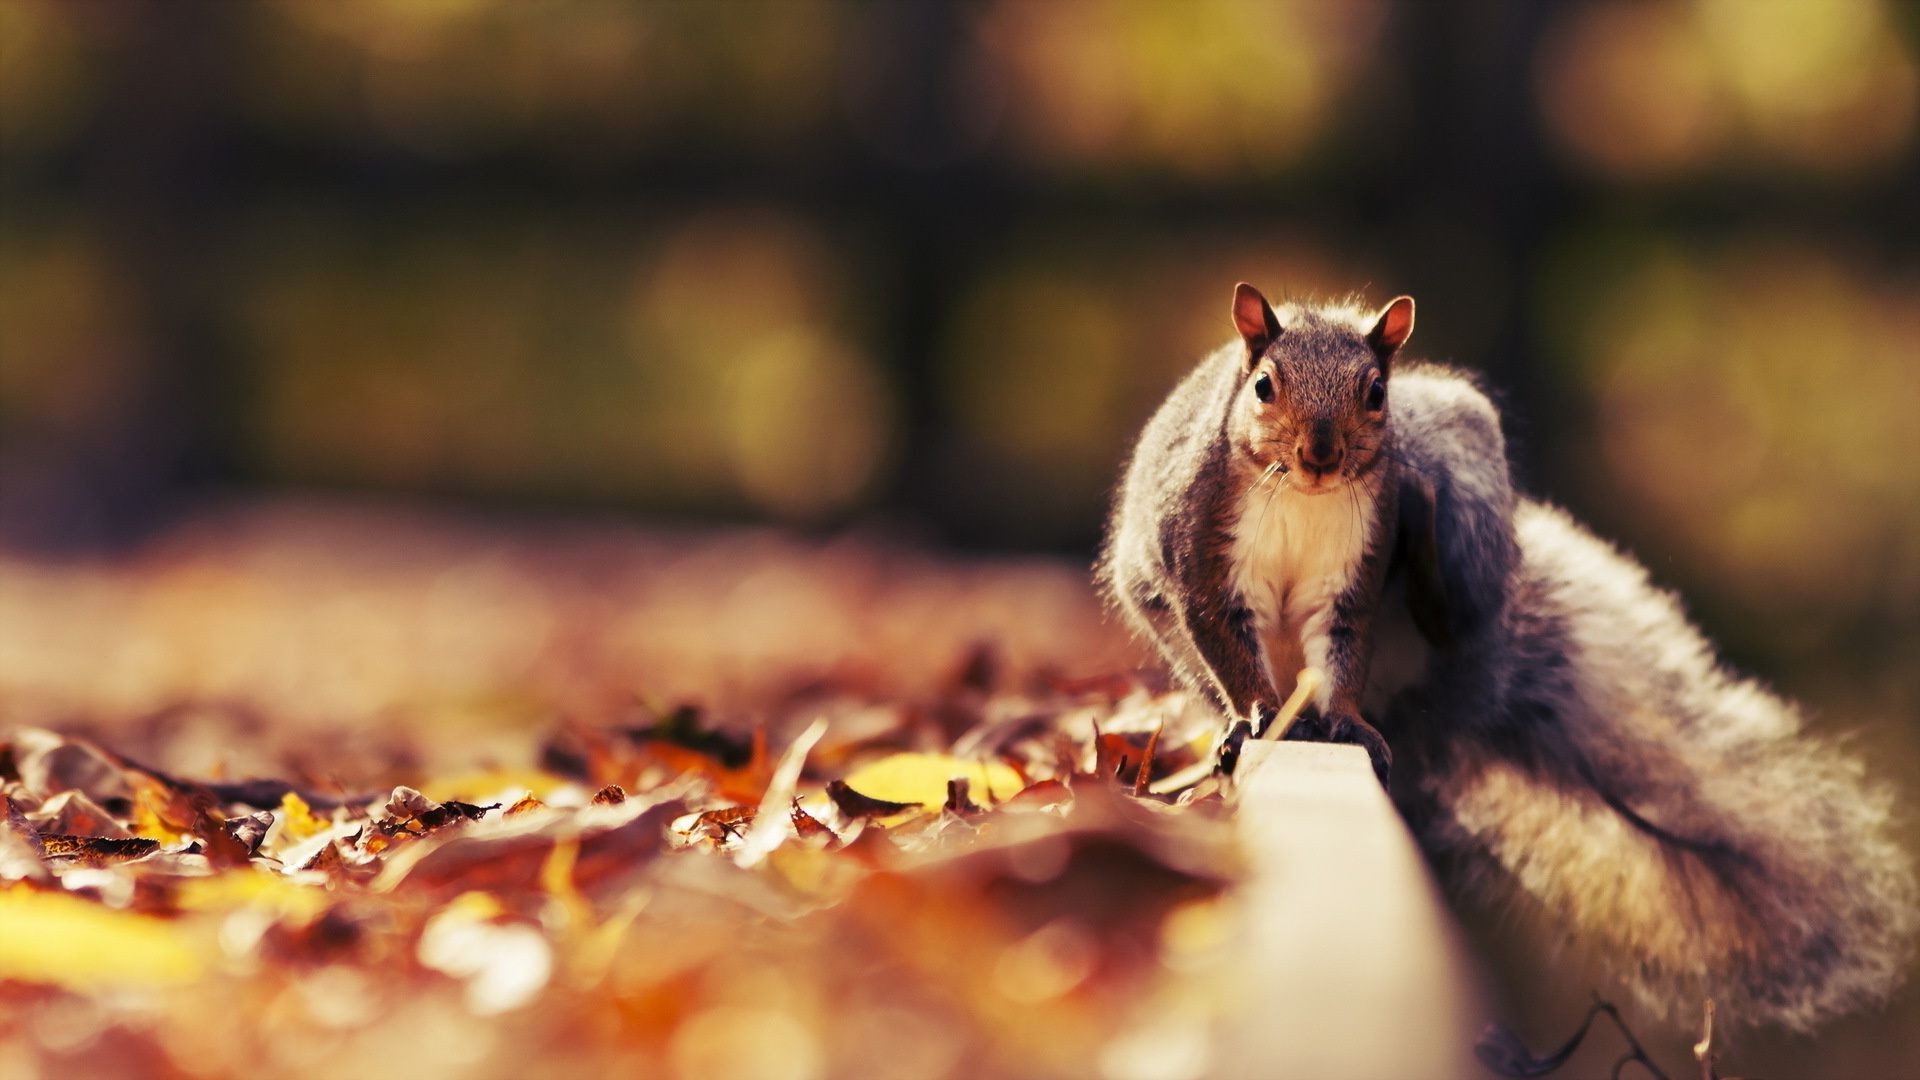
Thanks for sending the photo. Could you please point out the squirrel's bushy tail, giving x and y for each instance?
(1664, 814)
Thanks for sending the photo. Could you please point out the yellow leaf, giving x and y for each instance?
(494, 782)
(253, 888)
(472, 906)
(297, 819)
(922, 778)
(814, 872)
(556, 877)
(80, 945)
(147, 818)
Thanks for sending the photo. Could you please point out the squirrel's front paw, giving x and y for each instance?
(1226, 751)
(1352, 729)
(1340, 727)
(1309, 726)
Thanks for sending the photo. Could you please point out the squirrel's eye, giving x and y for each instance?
(1263, 387)
(1377, 395)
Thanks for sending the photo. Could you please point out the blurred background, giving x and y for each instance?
(926, 267)
(929, 265)
(920, 270)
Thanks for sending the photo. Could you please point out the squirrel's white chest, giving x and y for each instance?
(1293, 554)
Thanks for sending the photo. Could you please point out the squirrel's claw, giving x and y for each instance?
(1263, 717)
(1226, 755)
(1311, 727)
(1226, 752)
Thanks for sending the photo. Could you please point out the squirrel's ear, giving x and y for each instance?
(1254, 318)
(1394, 327)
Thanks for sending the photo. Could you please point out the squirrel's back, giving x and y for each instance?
(1180, 434)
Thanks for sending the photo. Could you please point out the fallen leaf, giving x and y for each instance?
(680, 727)
(854, 804)
(72, 813)
(808, 827)
(1039, 796)
(922, 778)
(80, 945)
(515, 857)
(21, 850)
(722, 823)
(769, 826)
(48, 764)
(492, 783)
(297, 820)
(410, 812)
(17, 824)
(98, 850)
(960, 799)
(259, 889)
(250, 830)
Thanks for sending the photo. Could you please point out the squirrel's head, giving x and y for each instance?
(1313, 403)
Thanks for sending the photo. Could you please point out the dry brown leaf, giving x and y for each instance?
(97, 850)
(808, 827)
(723, 823)
(523, 805)
(855, 805)
(512, 858)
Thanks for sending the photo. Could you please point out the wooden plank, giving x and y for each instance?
(1353, 966)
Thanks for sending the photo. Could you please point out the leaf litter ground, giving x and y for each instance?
(306, 792)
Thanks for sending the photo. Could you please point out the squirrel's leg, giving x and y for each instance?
(1146, 603)
(1339, 641)
(1164, 626)
(1226, 642)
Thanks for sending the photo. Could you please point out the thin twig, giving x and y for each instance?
(1639, 1053)
(1503, 1052)
(1703, 1050)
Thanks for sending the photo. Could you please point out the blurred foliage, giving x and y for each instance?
(1646, 90)
(702, 363)
(819, 262)
(578, 81)
(1125, 86)
(67, 327)
(1730, 381)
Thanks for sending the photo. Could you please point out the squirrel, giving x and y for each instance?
(1257, 517)
(1569, 745)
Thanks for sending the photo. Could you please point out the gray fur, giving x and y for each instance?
(1569, 743)
(1669, 817)
(1447, 435)
(1576, 750)
(1180, 462)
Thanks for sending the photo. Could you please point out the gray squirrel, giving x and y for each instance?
(1568, 744)
(1260, 513)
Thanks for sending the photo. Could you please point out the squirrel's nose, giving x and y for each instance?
(1320, 455)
